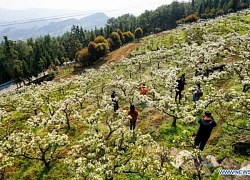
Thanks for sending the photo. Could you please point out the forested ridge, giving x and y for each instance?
(20, 60)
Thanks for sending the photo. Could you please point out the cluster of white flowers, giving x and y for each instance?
(105, 147)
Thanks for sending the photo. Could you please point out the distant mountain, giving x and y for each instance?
(55, 28)
(10, 16)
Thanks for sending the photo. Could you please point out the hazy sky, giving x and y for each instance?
(109, 6)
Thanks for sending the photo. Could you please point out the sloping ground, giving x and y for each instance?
(113, 56)
(151, 122)
(118, 54)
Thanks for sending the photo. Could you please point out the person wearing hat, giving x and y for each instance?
(207, 124)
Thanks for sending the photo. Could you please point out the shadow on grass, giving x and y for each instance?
(133, 138)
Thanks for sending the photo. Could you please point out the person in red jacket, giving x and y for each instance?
(143, 89)
(133, 114)
(207, 124)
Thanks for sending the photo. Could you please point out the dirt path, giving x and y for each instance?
(113, 56)
(118, 54)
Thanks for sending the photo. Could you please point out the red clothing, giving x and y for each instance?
(134, 115)
(143, 90)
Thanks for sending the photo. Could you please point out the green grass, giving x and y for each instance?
(27, 170)
(215, 175)
(161, 131)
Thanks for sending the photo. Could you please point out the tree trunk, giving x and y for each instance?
(110, 133)
(45, 162)
(2, 171)
(174, 122)
(124, 92)
(103, 89)
(68, 124)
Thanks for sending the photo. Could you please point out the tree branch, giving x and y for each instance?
(123, 164)
(232, 125)
(28, 157)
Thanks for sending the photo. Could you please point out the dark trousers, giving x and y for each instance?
(201, 142)
(115, 105)
(132, 125)
(178, 93)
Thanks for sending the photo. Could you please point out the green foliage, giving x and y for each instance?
(41, 52)
(167, 133)
(110, 44)
(100, 39)
(189, 19)
(116, 41)
(233, 4)
(197, 36)
(18, 71)
(129, 37)
(126, 22)
(219, 12)
(153, 132)
(48, 77)
(215, 175)
(26, 70)
(57, 62)
(136, 177)
(102, 49)
(138, 33)
(84, 57)
(126, 37)
(92, 48)
(157, 30)
(122, 38)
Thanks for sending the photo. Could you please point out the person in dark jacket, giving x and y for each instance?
(207, 124)
(114, 101)
(180, 87)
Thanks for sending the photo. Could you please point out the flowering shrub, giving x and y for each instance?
(71, 121)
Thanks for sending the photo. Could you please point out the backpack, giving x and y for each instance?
(200, 94)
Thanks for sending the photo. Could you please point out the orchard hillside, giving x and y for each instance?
(67, 128)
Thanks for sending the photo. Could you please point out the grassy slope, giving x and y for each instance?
(151, 121)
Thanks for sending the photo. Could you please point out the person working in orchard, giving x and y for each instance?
(114, 101)
(180, 87)
(197, 94)
(207, 124)
(143, 89)
(132, 114)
